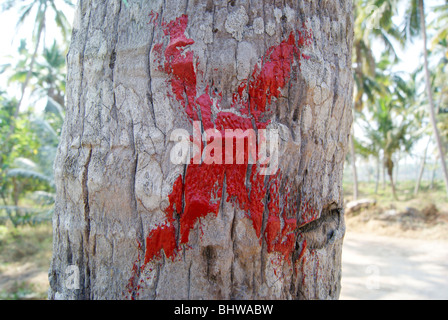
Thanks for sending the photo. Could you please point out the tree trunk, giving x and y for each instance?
(377, 178)
(432, 114)
(397, 166)
(389, 164)
(383, 173)
(354, 171)
(433, 173)
(422, 169)
(130, 223)
(392, 185)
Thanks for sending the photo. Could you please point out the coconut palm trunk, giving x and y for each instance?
(131, 223)
(432, 115)
(421, 169)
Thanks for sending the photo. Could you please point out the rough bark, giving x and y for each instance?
(122, 205)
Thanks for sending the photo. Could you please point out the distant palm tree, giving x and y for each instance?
(391, 125)
(51, 74)
(420, 13)
(42, 8)
(440, 90)
(372, 25)
(373, 22)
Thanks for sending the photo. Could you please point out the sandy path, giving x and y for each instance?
(378, 267)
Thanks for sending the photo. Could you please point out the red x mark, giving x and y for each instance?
(190, 199)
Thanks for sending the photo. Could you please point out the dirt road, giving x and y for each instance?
(378, 267)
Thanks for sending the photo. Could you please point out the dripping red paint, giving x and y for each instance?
(199, 192)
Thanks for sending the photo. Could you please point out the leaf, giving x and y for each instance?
(30, 174)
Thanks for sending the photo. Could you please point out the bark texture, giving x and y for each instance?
(128, 219)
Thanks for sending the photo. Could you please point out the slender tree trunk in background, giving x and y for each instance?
(377, 180)
(29, 72)
(135, 225)
(15, 199)
(384, 174)
(392, 185)
(422, 169)
(431, 107)
(389, 164)
(433, 174)
(354, 171)
(397, 166)
(25, 83)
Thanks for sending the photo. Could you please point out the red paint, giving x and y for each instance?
(307, 213)
(199, 193)
(175, 198)
(273, 75)
(132, 287)
(256, 205)
(161, 238)
(179, 65)
(153, 17)
(201, 182)
(158, 54)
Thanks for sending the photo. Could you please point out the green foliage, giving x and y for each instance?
(391, 108)
(26, 163)
(29, 141)
(29, 138)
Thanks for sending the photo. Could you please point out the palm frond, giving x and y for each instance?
(29, 174)
(54, 107)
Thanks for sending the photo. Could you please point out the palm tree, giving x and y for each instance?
(388, 134)
(439, 80)
(114, 159)
(23, 171)
(393, 118)
(51, 74)
(432, 114)
(42, 8)
(371, 149)
(364, 61)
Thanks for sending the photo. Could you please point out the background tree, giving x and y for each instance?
(373, 23)
(30, 138)
(42, 9)
(431, 106)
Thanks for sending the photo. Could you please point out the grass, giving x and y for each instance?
(25, 253)
(409, 217)
(405, 193)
